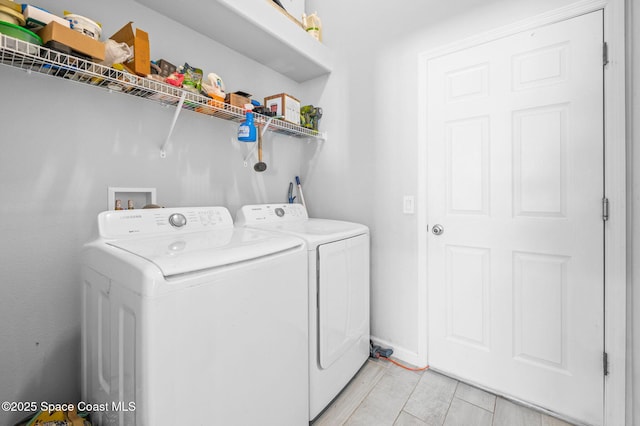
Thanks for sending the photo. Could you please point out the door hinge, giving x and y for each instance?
(605, 363)
(605, 209)
(605, 54)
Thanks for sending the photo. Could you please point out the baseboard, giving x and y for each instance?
(402, 354)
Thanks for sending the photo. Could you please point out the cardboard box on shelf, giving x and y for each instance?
(77, 42)
(284, 105)
(237, 99)
(140, 63)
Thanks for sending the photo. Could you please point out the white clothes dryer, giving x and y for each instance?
(188, 320)
(338, 256)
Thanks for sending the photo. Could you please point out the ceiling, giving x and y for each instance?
(361, 21)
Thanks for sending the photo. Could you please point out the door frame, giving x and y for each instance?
(615, 264)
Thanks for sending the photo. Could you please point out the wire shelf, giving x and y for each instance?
(33, 58)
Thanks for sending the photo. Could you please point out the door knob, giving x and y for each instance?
(437, 229)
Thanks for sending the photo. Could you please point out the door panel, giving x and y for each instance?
(515, 177)
(539, 307)
(468, 295)
(539, 161)
(468, 166)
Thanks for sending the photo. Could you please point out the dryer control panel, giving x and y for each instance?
(149, 222)
(270, 213)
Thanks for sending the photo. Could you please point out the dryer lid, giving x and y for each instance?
(318, 231)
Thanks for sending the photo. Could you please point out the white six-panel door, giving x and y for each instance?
(515, 179)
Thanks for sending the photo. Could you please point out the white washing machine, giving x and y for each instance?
(338, 293)
(188, 321)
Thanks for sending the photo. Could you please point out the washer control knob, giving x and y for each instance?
(279, 212)
(177, 220)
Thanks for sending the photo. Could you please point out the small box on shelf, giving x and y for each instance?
(75, 41)
(284, 105)
(37, 18)
(238, 99)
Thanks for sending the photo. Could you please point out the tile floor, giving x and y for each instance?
(382, 394)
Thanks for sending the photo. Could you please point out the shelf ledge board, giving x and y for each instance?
(255, 29)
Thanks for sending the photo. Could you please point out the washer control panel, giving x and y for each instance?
(270, 213)
(122, 223)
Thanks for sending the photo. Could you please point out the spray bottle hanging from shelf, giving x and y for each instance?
(247, 130)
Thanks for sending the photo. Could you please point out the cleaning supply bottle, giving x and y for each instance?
(247, 130)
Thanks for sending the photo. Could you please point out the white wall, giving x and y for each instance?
(64, 144)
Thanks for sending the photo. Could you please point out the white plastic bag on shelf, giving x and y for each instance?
(214, 86)
(116, 53)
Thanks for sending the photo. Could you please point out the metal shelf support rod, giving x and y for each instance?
(163, 152)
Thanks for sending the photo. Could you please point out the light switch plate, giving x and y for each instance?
(408, 204)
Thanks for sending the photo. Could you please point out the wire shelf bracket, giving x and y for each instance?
(163, 148)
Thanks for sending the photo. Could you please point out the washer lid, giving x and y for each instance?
(196, 251)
